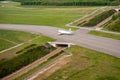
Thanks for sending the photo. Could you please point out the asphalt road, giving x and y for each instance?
(102, 44)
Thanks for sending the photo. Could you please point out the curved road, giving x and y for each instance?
(106, 45)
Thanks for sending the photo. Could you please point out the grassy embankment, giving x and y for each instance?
(87, 64)
(26, 56)
(103, 34)
(26, 37)
(9, 38)
(13, 13)
(113, 24)
(98, 18)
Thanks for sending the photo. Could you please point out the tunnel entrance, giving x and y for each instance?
(60, 44)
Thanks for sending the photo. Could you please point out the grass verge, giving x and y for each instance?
(103, 34)
(4, 44)
(87, 64)
(9, 38)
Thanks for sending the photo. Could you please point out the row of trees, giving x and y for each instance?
(26, 57)
(66, 3)
(70, 2)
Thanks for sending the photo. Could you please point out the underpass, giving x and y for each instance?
(101, 44)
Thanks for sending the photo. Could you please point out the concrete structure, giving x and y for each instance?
(118, 9)
(62, 44)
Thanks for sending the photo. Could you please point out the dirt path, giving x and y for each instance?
(32, 65)
(47, 71)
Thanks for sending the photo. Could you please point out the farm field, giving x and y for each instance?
(87, 64)
(9, 38)
(13, 13)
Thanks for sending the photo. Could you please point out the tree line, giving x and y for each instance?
(70, 2)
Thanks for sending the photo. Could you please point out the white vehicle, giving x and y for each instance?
(65, 32)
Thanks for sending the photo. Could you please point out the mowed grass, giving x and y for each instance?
(9, 38)
(103, 34)
(50, 16)
(5, 44)
(87, 64)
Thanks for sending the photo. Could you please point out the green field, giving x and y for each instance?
(9, 38)
(87, 64)
(5, 44)
(103, 34)
(13, 13)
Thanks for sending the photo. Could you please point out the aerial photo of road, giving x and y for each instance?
(59, 40)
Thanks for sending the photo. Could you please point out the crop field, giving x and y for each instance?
(9, 38)
(13, 13)
(87, 64)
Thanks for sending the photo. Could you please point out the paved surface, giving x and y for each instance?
(102, 44)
